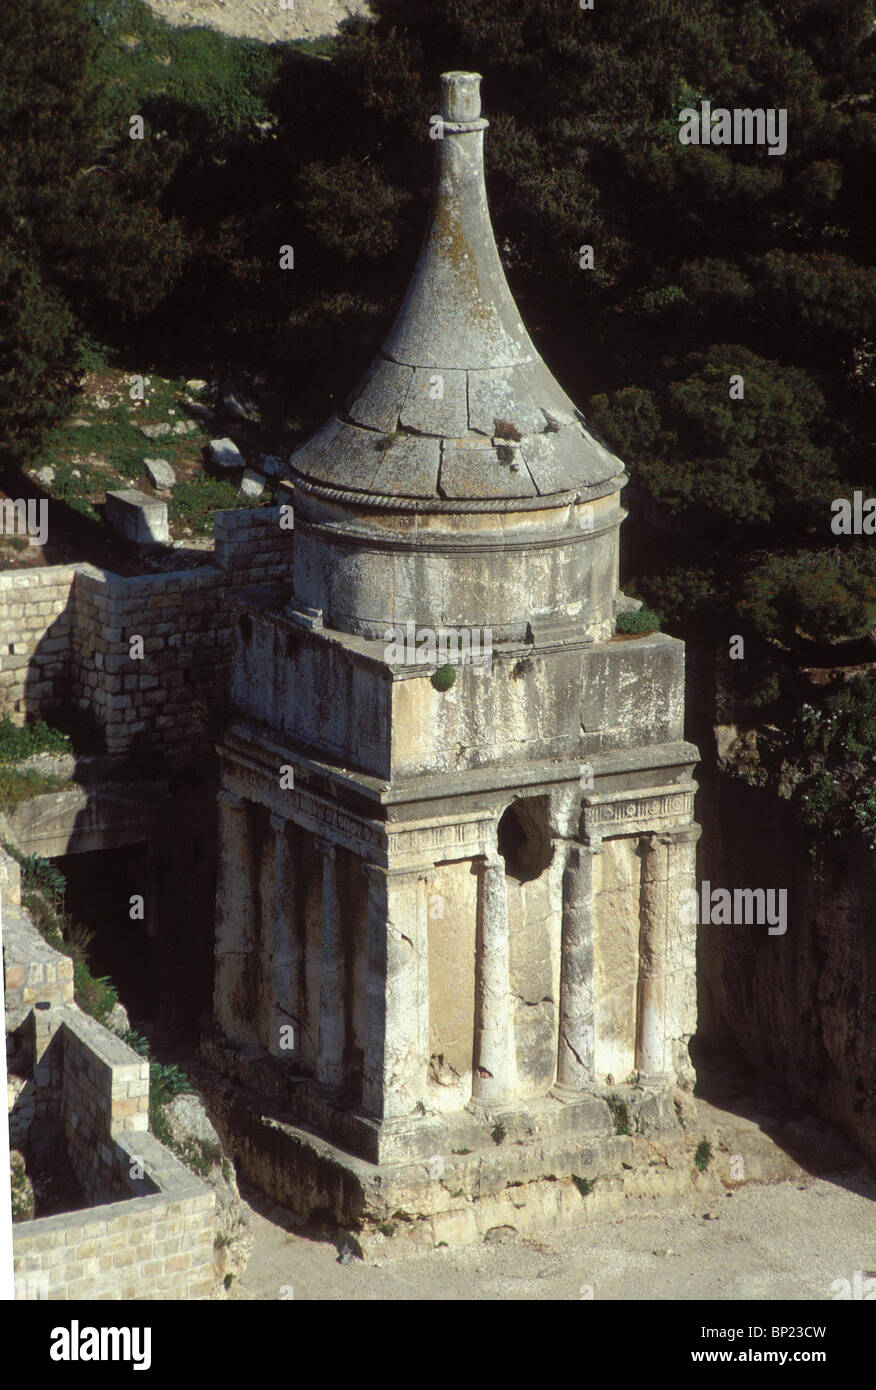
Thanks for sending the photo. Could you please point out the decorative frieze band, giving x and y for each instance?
(631, 814)
(403, 846)
(428, 843)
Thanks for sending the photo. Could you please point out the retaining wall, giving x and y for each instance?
(72, 1080)
(66, 635)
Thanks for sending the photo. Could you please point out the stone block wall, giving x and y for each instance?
(160, 1246)
(36, 630)
(84, 1084)
(105, 1093)
(66, 635)
(255, 542)
(165, 694)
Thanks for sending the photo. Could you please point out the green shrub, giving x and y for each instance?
(222, 79)
(21, 1189)
(195, 499)
(444, 677)
(165, 1081)
(37, 873)
(91, 356)
(822, 596)
(620, 1114)
(37, 332)
(95, 994)
(644, 620)
(829, 757)
(136, 1041)
(47, 921)
(703, 1155)
(199, 1155)
(683, 593)
(18, 742)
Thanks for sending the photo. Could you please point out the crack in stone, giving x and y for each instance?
(578, 1059)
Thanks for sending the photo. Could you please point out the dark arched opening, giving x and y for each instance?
(524, 838)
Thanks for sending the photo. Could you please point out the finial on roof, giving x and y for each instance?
(460, 96)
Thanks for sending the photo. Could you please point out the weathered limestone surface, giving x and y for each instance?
(479, 935)
(451, 955)
(575, 1071)
(139, 518)
(159, 472)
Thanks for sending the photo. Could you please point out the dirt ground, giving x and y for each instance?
(791, 1240)
(803, 1218)
(268, 20)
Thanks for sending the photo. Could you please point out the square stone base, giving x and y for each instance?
(555, 1162)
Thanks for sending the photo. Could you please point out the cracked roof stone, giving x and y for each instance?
(458, 368)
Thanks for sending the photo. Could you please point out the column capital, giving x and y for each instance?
(592, 842)
(325, 847)
(685, 834)
(490, 840)
(492, 861)
(383, 873)
(279, 823)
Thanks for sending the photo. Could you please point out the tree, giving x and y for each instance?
(84, 244)
(821, 596)
(37, 348)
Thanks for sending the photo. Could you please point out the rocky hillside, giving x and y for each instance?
(271, 21)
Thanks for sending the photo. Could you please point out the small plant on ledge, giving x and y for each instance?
(642, 621)
(703, 1155)
(444, 677)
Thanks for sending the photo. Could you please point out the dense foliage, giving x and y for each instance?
(20, 741)
(828, 759)
(710, 262)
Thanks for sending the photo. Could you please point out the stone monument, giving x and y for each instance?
(456, 808)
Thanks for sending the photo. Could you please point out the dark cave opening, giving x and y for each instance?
(98, 897)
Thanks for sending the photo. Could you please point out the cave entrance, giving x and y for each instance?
(100, 885)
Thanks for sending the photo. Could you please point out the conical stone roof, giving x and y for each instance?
(458, 410)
